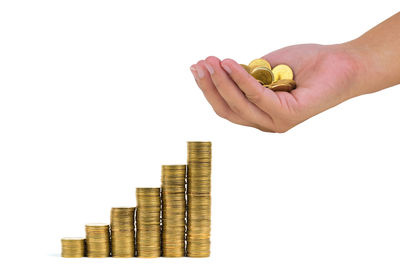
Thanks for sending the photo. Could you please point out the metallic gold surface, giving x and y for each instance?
(199, 199)
(72, 247)
(263, 75)
(122, 232)
(259, 62)
(173, 210)
(285, 85)
(183, 229)
(98, 240)
(148, 228)
(282, 72)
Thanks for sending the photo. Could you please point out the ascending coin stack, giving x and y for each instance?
(148, 235)
(172, 221)
(123, 232)
(173, 210)
(199, 199)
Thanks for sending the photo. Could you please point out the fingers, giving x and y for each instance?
(234, 97)
(219, 105)
(262, 97)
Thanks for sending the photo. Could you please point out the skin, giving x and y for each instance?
(326, 75)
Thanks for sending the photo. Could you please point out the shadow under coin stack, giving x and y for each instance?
(173, 210)
(148, 228)
(199, 199)
(98, 240)
(122, 232)
(73, 247)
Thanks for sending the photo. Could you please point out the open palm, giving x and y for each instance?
(324, 77)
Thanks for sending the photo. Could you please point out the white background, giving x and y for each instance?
(96, 95)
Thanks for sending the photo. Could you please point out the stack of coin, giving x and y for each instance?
(148, 228)
(122, 232)
(173, 210)
(98, 240)
(73, 247)
(199, 199)
(279, 78)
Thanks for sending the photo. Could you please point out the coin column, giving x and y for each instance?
(173, 210)
(98, 240)
(73, 247)
(148, 231)
(122, 232)
(199, 199)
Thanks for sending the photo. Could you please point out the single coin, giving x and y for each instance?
(281, 72)
(261, 82)
(282, 85)
(259, 62)
(247, 68)
(263, 75)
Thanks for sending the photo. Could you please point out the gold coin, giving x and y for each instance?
(261, 82)
(281, 72)
(282, 85)
(247, 68)
(259, 62)
(263, 75)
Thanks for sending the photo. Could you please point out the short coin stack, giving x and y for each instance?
(173, 210)
(122, 232)
(199, 199)
(148, 229)
(98, 240)
(279, 78)
(73, 247)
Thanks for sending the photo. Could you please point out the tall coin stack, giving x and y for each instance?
(73, 247)
(98, 240)
(122, 232)
(173, 210)
(148, 231)
(199, 199)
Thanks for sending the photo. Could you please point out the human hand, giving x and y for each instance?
(325, 77)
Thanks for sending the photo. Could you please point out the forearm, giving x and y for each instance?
(379, 53)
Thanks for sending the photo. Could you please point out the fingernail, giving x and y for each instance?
(193, 70)
(200, 71)
(209, 68)
(226, 68)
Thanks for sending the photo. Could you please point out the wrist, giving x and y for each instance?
(360, 68)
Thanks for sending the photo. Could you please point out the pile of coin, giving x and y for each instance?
(173, 210)
(279, 78)
(72, 247)
(199, 199)
(98, 240)
(148, 228)
(123, 232)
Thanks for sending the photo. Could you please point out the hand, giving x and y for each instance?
(325, 77)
